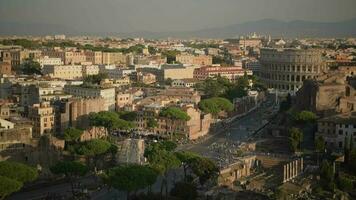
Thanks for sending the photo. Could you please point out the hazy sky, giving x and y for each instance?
(168, 15)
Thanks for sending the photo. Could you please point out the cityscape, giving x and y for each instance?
(138, 100)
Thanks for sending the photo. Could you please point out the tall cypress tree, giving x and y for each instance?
(346, 150)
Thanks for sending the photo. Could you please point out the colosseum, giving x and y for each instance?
(286, 69)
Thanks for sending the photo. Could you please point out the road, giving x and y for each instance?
(222, 145)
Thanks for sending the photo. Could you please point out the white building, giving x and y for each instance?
(93, 91)
(4, 124)
(49, 61)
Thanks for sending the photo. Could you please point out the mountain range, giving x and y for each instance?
(275, 28)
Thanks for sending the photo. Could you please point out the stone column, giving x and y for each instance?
(301, 164)
(284, 173)
(287, 174)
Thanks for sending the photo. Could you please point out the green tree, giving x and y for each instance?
(216, 105)
(352, 162)
(95, 79)
(168, 81)
(305, 117)
(327, 176)
(174, 113)
(319, 146)
(152, 50)
(344, 183)
(30, 67)
(186, 158)
(131, 178)
(296, 138)
(162, 159)
(128, 116)
(18, 171)
(170, 55)
(347, 150)
(8, 186)
(71, 170)
(72, 135)
(152, 123)
(204, 168)
(212, 87)
(94, 149)
(110, 120)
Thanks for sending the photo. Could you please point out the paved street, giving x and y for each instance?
(220, 146)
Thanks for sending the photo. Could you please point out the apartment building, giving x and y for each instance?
(74, 112)
(197, 126)
(49, 61)
(107, 93)
(231, 73)
(194, 60)
(116, 58)
(334, 129)
(95, 57)
(42, 116)
(68, 72)
(184, 95)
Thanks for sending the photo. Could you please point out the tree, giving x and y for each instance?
(94, 149)
(216, 105)
(110, 120)
(296, 138)
(162, 159)
(128, 116)
(152, 50)
(174, 113)
(319, 146)
(131, 178)
(184, 190)
(186, 158)
(72, 135)
(305, 117)
(96, 78)
(327, 176)
(204, 168)
(344, 183)
(168, 81)
(352, 162)
(171, 55)
(347, 150)
(212, 87)
(8, 186)
(71, 170)
(30, 67)
(18, 171)
(152, 123)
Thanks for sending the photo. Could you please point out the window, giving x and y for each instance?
(340, 144)
(340, 132)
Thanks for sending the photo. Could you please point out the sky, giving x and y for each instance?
(168, 15)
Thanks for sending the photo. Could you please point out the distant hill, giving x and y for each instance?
(277, 28)
(16, 28)
(297, 28)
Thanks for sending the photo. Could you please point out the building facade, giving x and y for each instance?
(108, 94)
(286, 69)
(231, 73)
(42, 116)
